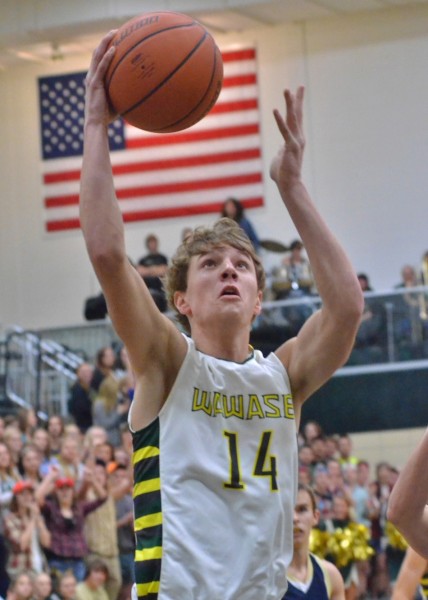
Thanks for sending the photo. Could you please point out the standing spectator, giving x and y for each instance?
(65, 517)
(92, 588)
(321, 489)
(312, 429)
(25, 531)
(80, 399)
(233, 209)
(152, 267)
(122, 480)
(101, 528)
(104, 366)
(27, 423)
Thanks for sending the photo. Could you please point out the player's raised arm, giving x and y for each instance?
(325, 341)
(144, 330)
(407, 504)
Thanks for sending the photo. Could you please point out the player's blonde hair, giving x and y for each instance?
(225, 232)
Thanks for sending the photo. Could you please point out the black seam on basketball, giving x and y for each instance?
(164, 81)
(199, 103)
(119, 62)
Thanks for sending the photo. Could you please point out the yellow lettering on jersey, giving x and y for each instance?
(218, 403)
(202, 401)
(233, 406)
(275, 411)
(288, 406)
(254, 407)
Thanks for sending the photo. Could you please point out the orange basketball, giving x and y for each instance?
(166, 73)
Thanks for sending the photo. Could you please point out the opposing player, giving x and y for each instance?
(307, 575)
(214, 422)
(407, 504)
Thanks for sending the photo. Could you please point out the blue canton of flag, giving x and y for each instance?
(62, 106)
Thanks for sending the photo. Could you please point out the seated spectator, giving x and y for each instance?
(21, 587)
(372, 329)
(321, 489)
(69, 463)
(31, 461)
(66, 584)
(92, 588)
(152, 267)
(27, 423)
(107, 411)
(13, 440)
(8, 478)
(41, 441)
(42, 587)
(25, 531)
(65, 517)
(80, 398)
(311, 430)
(344, 445)
(56, 432)
(234, 209)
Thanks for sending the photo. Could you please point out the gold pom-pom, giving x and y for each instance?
(348, 544)
(318, 542)
(395, 539)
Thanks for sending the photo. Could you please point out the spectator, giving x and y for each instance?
(25, 531)
(234, 209)
(42, 587)
(8, 478)
(13, 439)
(65, 517)
(27, 422)
(311, 430)
(66, 585)
(69, 463)
(107, 411)
(31, 460)
(21, 587)
(104, 365)
(56, 432)
(152, 267)
(101, 528)
(345, 450)
(80, 400)
(41, 441)
(92, 588)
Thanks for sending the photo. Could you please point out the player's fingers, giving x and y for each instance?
(299, 105)
(99, 52)
(283, 128)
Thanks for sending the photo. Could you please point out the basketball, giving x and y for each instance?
(166, 73)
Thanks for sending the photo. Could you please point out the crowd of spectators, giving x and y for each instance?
(352, 497)
(66, 511)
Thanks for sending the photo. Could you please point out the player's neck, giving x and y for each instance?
(217, 343)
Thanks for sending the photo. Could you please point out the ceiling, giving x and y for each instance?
(49, 30)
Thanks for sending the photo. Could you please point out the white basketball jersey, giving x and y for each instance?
(215, 483)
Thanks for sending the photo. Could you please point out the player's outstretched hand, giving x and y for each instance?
(97, 108)
(286, 167)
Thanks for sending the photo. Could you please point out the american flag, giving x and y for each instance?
(157, 175)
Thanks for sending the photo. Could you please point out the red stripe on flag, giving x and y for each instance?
(157, 213)
(224, 107)
(232, 55)
(163, 164)
(238, 80)
(166, 188)
(194, 136)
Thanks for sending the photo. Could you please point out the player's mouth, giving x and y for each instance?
(230, 290)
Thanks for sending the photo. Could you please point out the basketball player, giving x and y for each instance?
(407, 504)
(307, 575)
(214, 423)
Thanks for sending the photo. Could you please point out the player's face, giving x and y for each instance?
(221, 282)
(304, 519)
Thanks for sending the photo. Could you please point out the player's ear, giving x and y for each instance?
(258, 305)
(181, 304)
